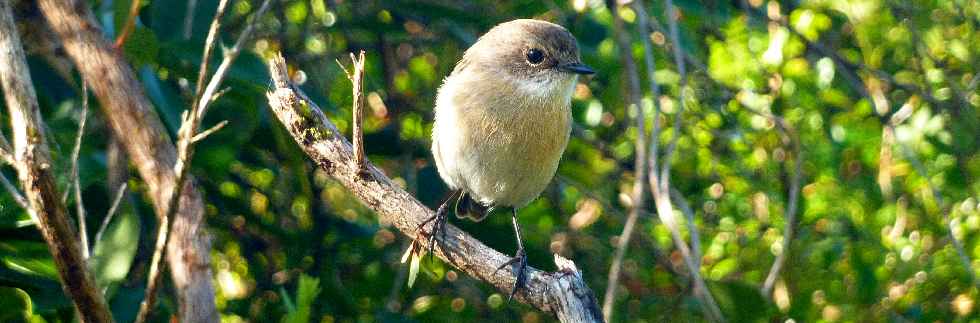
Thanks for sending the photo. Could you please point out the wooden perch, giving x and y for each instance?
(135, 123)
(562, 293)
(33, 163)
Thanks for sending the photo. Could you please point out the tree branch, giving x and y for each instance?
(76, 185)
(638, 196)
(33, 163)
(134, 121)
(186, 142)
(562, 293)
(134, 10)
(792, 205)
(660, 185)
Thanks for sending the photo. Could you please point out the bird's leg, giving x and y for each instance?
(438, 221)
(520, 258)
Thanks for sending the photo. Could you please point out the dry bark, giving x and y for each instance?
(562, 293)
(33, 163)
(133, 120)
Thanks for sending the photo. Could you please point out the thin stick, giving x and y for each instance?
(791, 208)
(134, 10)
(185, 142)
(6, 152)
(206, 133)
(672, 16)
(189, 19)
(112, 211)
(640, 168)
(76, 185)
(685, 207)
(938, 199)
(356, 78)
(15, 193)
(660, 186)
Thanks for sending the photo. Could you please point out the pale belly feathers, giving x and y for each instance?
(502, 149)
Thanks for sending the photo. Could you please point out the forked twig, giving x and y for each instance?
(356, 77)
(187, 137)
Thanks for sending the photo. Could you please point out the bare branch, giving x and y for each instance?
(692, 228)
(229, 57)
(134, 10)
(638, 196)
(6, 152)
(15, 193)
(189, 19)
(185, 140)
(562, 293)
(792, 204)
(938, 199)
(672, 16)
(356, 77)
(76, 185)
(134, 121)
(206, 133)
(33, 164)
(660, 186)
(112, 211)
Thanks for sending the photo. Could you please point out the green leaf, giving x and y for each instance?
(741, 302)
(114, 253)
(141, 47)
(306, 293)
(413, 269)
(28, 257)
(16, 305)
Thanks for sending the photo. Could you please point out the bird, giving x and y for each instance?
(502, 122)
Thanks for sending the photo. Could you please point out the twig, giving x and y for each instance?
(76, 185)
(134, 10)
(849, 67)
(791, 207)
(185, 142)
(112, 211)
(229, 57)
(921, 170)
(692, 228)
(206, 133)
(15, 193)
(660, 186)
(640, 170)
(135, 122)
(6, 152)
(562, 293)
(356, 77)
(654, 26)
(189, 19)
(672, 16)
(34, 169)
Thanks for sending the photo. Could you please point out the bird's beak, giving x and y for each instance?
(577, 68)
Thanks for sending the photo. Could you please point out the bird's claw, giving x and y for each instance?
(438, 221)
(520, 258)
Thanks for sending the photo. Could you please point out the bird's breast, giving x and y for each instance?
(500, 144)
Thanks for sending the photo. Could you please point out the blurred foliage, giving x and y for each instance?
(289, 244)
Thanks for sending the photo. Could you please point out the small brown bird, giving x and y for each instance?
(502, 121)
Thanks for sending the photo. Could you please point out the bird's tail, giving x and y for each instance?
(467, 207)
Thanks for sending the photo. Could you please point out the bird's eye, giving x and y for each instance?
(534, 56)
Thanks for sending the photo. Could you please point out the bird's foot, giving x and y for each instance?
(438, 221)
(520, 259)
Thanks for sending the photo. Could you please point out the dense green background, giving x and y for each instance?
(872, 242)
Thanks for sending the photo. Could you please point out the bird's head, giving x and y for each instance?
(538, 57)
